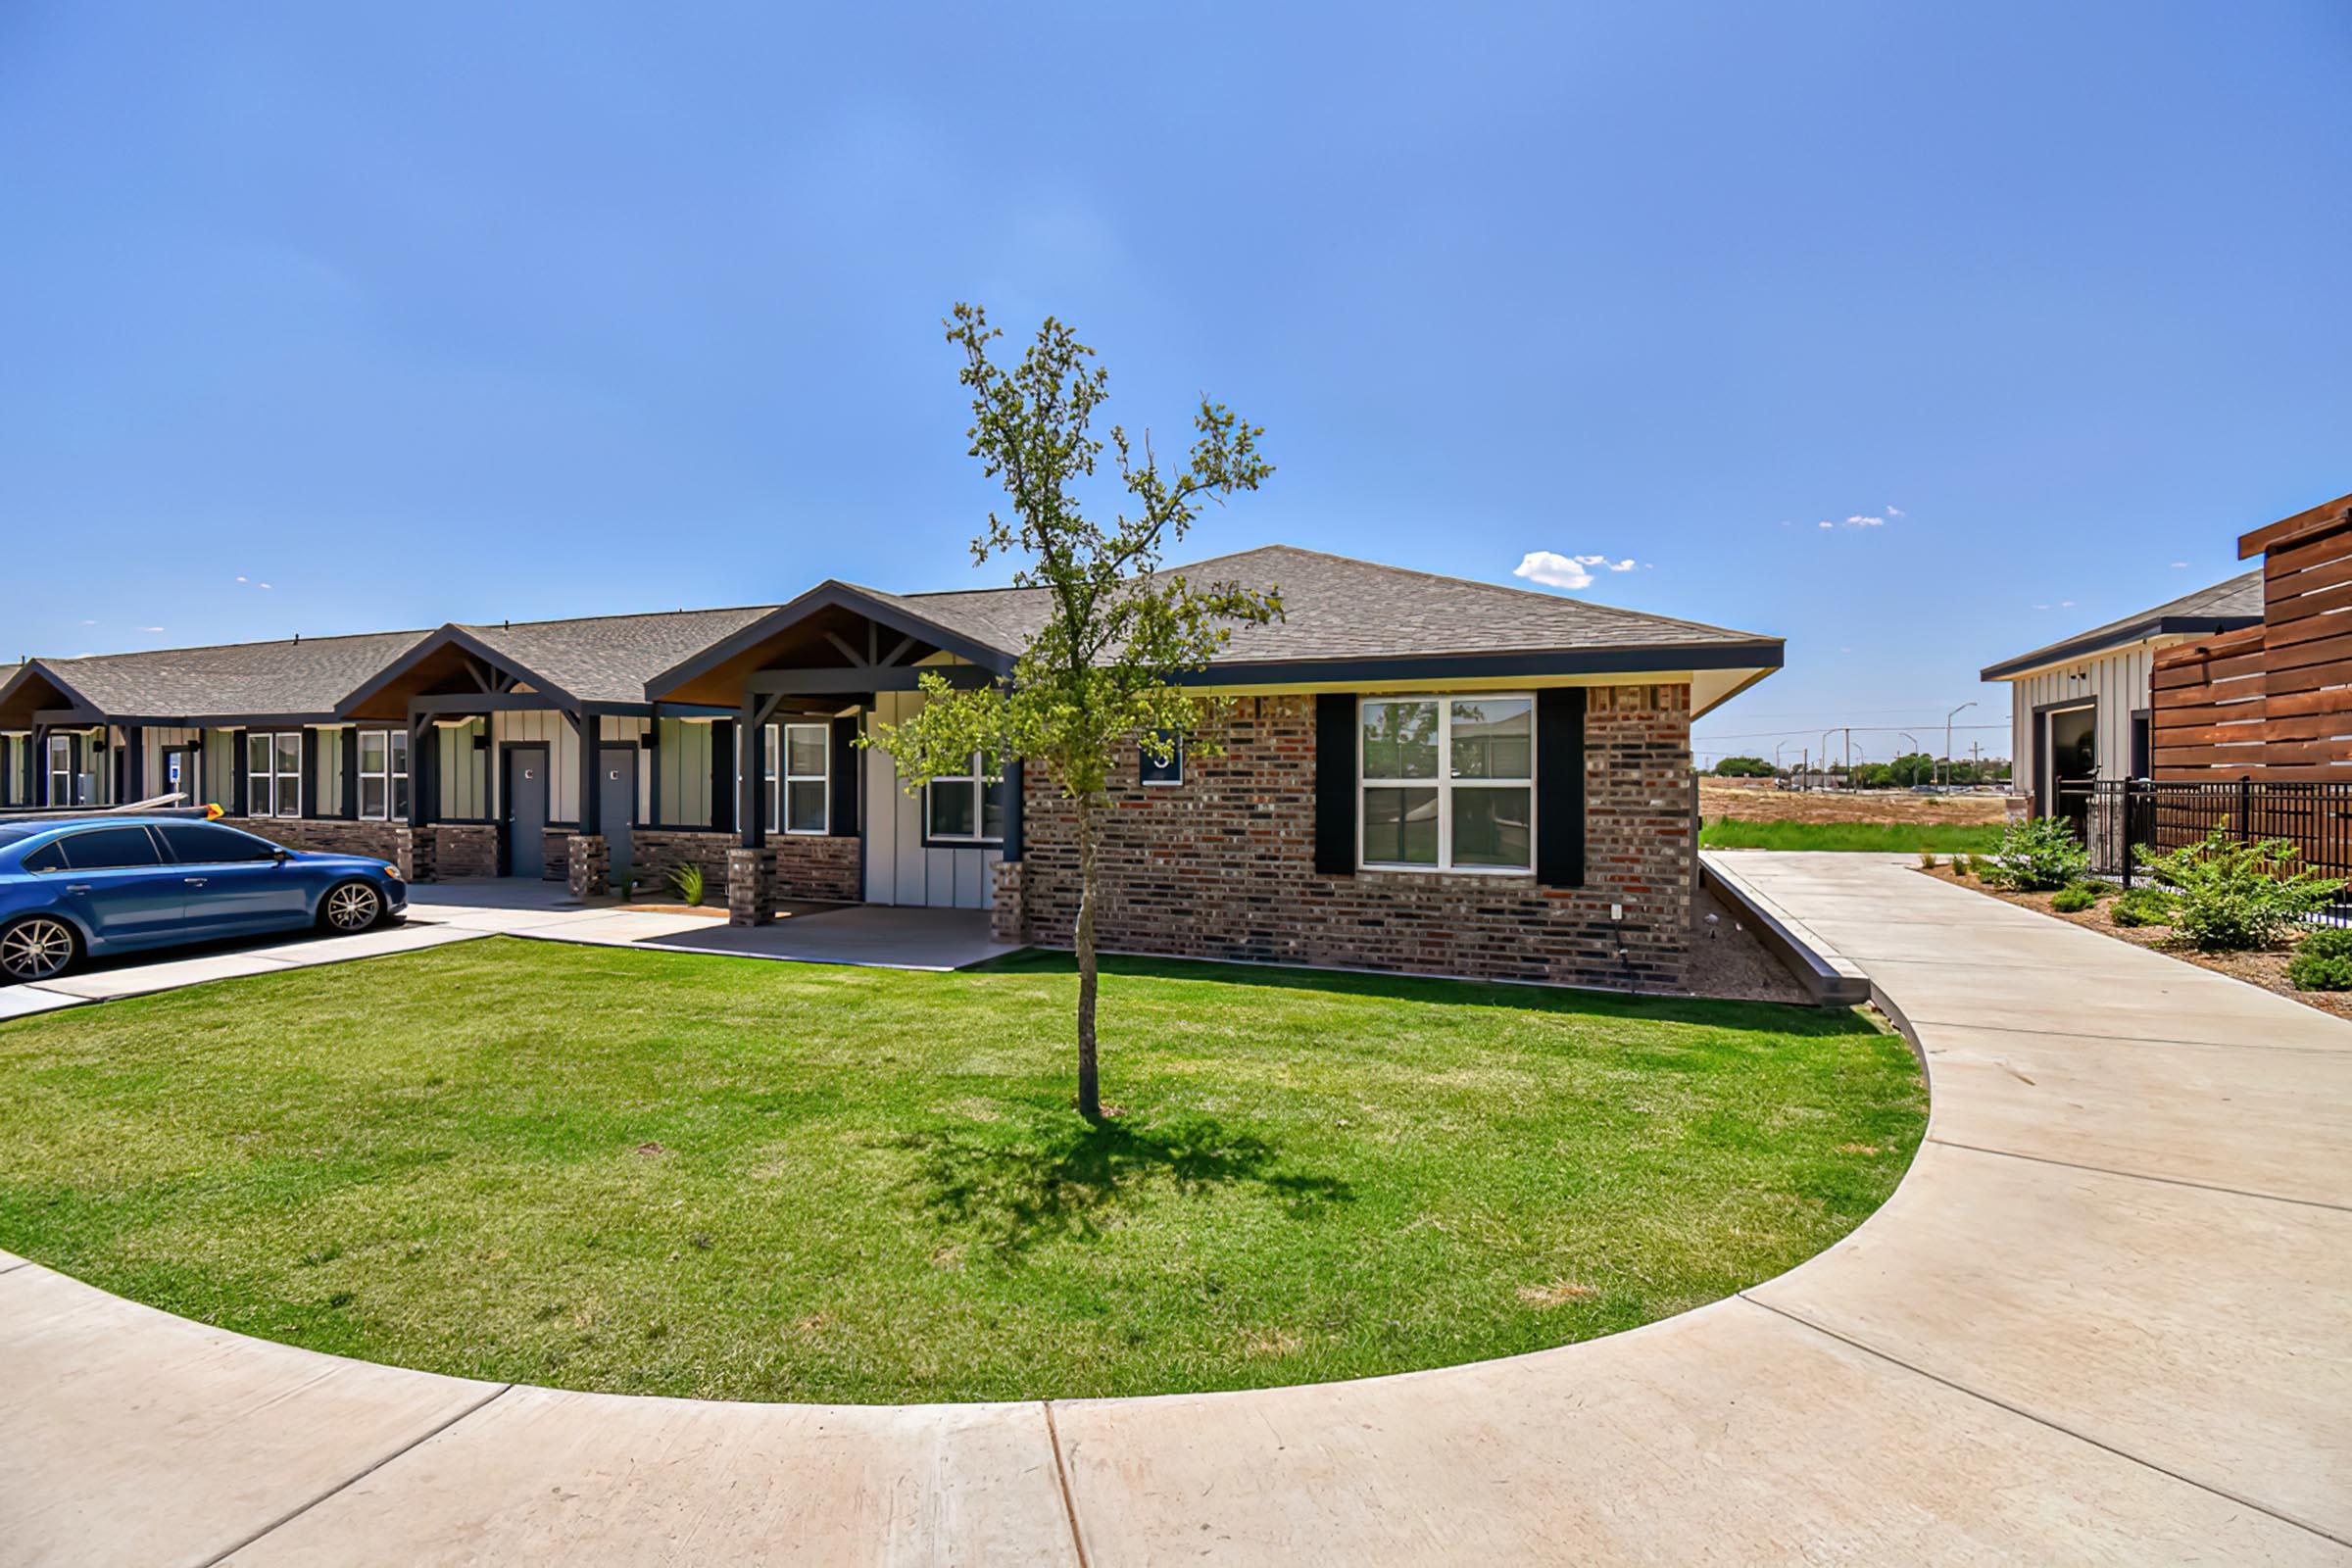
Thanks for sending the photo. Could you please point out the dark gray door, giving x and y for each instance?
(616, 807)
(526, 811)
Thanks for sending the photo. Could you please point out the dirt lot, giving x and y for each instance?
(1718, 797)
(2266, 969)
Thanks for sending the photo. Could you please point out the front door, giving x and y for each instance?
(523, 793)
(2070, 748)
(616, 806)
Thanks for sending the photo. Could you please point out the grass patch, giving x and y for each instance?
(1887, 838)
(669, 1173)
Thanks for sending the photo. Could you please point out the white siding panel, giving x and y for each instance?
(2118, 683)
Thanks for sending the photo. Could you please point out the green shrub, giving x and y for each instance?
(2039, 854)
(1969, 864)
(2143, 907)
(2234, 896)
(686, 881)
(2074, 899)
(1927, 860)
(2323, 961)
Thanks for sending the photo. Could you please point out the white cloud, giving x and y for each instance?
(151, 628)
(2180, 566)
(1858, 521)
(1895, 512)
(2066, 604)
(90, 624)
(1552, 570)
(1827, 524)
(240, 576)
(260, 585)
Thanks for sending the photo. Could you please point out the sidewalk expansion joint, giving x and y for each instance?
(418, 1441)
(1062, 1474)
(2037, 1419)
(2145, 1176)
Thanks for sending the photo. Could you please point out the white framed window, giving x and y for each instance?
(1446, 783)
(1151, 770)
(384, 774)
(274, 773)
(800, 778)
(967, 808)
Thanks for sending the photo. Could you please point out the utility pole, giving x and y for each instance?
(1947, 732)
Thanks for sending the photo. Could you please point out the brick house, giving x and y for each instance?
(1408, 772)
(1411, 773)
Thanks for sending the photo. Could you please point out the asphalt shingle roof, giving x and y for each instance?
(609, 658)
(1335, 606)
(299, 675)
(2224, 606)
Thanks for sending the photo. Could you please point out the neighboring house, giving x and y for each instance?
(2078, 708)
(1415, 773)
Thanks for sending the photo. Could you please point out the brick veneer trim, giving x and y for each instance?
(1222, 866)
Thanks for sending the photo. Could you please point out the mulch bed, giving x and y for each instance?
(2265, 967)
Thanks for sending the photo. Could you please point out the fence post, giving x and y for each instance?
(2128, 810)
(2245, 810)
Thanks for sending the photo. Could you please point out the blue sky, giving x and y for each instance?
(439, 311)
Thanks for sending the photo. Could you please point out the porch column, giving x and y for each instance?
(750, 755)
(37, 784)
(590, 731)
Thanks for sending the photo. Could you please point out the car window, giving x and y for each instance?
(110, 848)
(48, 857)
(202, 844)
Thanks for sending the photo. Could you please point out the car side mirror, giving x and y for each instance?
(282, 855)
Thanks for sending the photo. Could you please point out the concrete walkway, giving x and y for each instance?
(2107, 1317)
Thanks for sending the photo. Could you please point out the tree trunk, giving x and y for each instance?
(1090, 1096)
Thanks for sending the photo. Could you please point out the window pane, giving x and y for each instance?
(111, 849)
(371, 798)
(1493, 738)
(372, 751)
(201, 843)
(1401, 740)
(400, 798)
(400, 751)
(1400, 827)
(289, 754)
(951, 809)
(992, 808)
(807, 801)
(1153, 771)
(771, 746)
(1491, 828)
(805, 750)
(768, 793)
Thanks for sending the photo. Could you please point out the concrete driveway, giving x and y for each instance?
(2107, 1317)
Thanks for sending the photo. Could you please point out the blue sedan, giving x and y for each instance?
(75, 887)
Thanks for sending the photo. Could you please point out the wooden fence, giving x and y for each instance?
(2269, 703)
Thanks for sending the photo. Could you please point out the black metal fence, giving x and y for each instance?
(2115, 817)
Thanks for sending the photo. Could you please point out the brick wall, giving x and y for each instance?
(326, 835)
(656, 851)
(555, 850)
(1223, 866)
(464, 849)
(809, 866)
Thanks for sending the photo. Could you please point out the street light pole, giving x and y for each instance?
(1947, 736)
(1914, 740)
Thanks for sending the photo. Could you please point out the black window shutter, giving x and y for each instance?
(723, 775)
(1560, 786)
(844, 788)
(310, 773)
(237, 767)
(1336, 794)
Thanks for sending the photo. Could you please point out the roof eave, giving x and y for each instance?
(2076, 650)
(450, 635)
(830, 594)
(1764, 653)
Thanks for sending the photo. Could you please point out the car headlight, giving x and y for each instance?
(392, 871)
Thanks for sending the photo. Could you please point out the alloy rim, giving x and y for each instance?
(351, 908)
(35, 950)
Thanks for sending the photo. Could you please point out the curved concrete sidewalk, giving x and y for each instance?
(2107, 1317)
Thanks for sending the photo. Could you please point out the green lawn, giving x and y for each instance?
(664, 1173)
(1895, 838)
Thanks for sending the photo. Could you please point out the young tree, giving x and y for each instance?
(1098, 677)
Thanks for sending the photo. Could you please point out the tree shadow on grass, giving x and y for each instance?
(1068, 1182)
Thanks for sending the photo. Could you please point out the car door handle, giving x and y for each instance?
(77, 887)
(194, 881)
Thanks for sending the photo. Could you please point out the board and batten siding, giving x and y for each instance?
(682, 757)
(2118, 682)
(466, 771)
(898, 869)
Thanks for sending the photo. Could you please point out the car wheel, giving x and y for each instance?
(39, 946)
(350, 907)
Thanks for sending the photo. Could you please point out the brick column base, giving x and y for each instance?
(413, 853)
(589, 860)
(750, 887)
(1008, 905)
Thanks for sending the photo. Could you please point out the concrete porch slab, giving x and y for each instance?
(878, 936)
(23, 1002)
